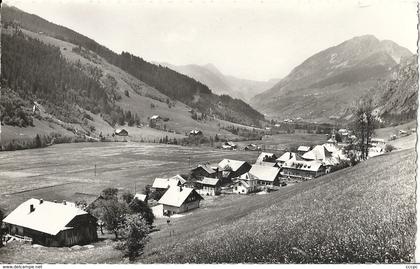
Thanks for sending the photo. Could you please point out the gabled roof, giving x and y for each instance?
(303, 165)
(48, 217)
(263, 155)
(155, 117)
(248, 176)
(233, 164)
(164, 183)
(176, 196)
(241, 181)
(319, 152)
(179, 178)
(209, 181)
(140, 196)
(304, 148)
(286, 156)
(265, 173)
(206, 168)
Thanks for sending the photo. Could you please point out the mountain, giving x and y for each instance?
(83, 86)
(223, 84)
(324, 85)
(396, 99)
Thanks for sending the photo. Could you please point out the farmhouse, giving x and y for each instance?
(229, 145)
(302, 169)
(52, 224)
(285, 157)
(268, 159)
(209, 186)
(377, 142)
(265, 175)
(229, 169)
(247, 183)
(180, 199)
(121, 132)
(165, 183)
(195, 133)
(203, 170)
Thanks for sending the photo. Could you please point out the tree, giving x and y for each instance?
(1, 229)
(127, 197)
(364, 126)
(139, 207)
(111, 212)
(38, 142)
(110, 193)
(135, 234)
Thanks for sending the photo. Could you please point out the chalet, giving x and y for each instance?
(375, 151)
(52, 224)
(209, 186)
(377, 142)
(265, 175)
(140, 197)
(267, 159)
(229, 145)
(155, 118)
(302, 169)
(246, 183)
(195, 133)
(229, 169)
(179, 200)
(203, 170)
(285, 157)
(121, 132)
(252, 147)
(320, 153)
(165, 183)
(303, 149)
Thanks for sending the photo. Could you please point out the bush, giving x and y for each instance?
(389, 148)
(139, 207)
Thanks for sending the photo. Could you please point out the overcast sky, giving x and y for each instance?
(249, 39)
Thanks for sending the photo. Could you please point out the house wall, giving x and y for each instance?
(209, 190)
(240, 189)
(183, 208)
(83, 232)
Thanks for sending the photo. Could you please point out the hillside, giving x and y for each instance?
(223, 84)
(84, 87)
(325, 84)
(362, 214)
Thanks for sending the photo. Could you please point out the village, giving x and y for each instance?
(176, 196)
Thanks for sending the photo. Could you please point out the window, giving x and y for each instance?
(236, 188)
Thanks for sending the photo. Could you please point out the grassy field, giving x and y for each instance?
(67, 171)
(360, 214)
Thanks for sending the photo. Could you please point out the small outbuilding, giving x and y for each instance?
(121, 132)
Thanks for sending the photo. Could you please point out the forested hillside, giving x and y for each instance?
(167, 81)
(37, 72)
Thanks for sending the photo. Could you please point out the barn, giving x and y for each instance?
(229, 169)
(121, 132)
(52, 224)
(203, 170)
(179, 200)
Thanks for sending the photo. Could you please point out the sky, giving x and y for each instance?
(250, 39)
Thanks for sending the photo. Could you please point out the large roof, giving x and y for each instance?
(164, 183)
(48, 217)
(303, 165)
(233, 164)
(260, 158)
(209, 181)
(266, 173)
(286, 156)
(176, 196)
(206, 168)
(319, 152)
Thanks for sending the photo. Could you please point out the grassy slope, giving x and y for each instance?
(360, 214)
(140, 100)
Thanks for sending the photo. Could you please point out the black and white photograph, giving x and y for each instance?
(208, 132)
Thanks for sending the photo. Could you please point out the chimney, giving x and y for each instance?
(31, 208)
(180, 188)
(64, 202)
(41, 201)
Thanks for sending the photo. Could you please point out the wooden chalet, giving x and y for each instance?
(265, 175)
(52, 224)
(209, 186)
(229, 169)
(180, 199)
(203, 170)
